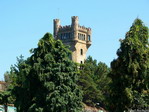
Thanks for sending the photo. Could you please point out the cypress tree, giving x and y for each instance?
(130, 69)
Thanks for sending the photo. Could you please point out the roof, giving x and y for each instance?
(2, 82)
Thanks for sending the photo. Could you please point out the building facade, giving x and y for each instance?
(76, 36)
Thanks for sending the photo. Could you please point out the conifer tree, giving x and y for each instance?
(46, 81)
(94, 82)
(130, 69)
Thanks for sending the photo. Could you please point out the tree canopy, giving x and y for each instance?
(129, 71)
(46, 81)
(94, 82)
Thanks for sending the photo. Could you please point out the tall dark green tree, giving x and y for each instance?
(94, 82)
(130, 69)
(46, 81)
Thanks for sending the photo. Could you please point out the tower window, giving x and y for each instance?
(81, 62)
(84, 37)
(62, 36)
(89, 38)
(81, 51)
(65, 35)
(81, 36)
(69, 35)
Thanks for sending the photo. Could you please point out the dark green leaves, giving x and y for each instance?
(130, 69)
(46, 81)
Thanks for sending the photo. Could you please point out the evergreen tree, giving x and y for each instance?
(94, 82)
(46, 81)
(130, 69)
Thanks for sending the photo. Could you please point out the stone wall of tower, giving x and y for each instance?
(81, 50)
(56, 27)
(74, 26)
(76, 36)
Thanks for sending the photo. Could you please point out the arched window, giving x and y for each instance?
(81, 51)
(81, 62)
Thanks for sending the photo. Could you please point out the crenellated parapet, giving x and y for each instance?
(83, 28)
(65, 28)
(70, 27)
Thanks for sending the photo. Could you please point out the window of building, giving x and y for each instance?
(62, 36)
(69, 35)
(81, 51)
(89, 38)
(81, 62)
(81, 36)
(66, 35)
(84, 37)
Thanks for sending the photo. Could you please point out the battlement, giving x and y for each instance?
(69, 27)
(56, 20)
(74, 17)
(83, 28)
(64, 28)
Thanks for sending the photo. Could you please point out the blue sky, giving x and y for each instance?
(24, 22)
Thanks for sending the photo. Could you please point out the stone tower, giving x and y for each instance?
(76, 36)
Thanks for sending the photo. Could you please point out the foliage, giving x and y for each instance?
(46, 81)
(4, 99)
(6, 96)
(94, 82)
(139, 100)
(130, 69)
